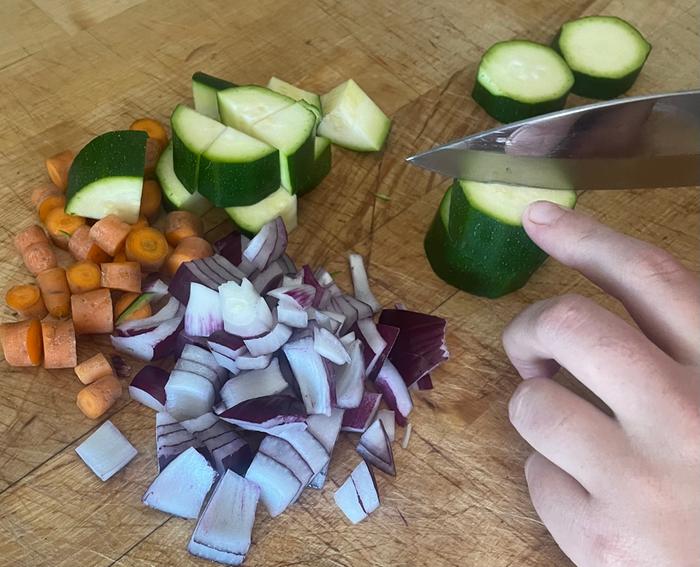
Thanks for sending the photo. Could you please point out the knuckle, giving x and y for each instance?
(522, 400)
(564, 314)
(656, 264)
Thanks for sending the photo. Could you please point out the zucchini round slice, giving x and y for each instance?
(252, 218)
(322, 163)
(476, 241)
(605, 53)
(287, 89)
(107, 176)
(241, 107)
(175, 196)
(519, 79)
(204, 89)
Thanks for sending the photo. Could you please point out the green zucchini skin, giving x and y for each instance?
(505, 109)
(300, 166)
(212, 81)
(601, 88)
(322, 164)
(486, 257)
(185, 163)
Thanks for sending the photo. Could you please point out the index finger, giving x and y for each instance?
(613, 359)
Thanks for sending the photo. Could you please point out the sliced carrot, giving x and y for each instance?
(180, 225)
(94, 400)
(55, 291)
(191, 248)
(42, 191)
(153, 151)
(148, 247)
(93, 368)
(21, 342)
(59, 344)
(124, 302)
(83, 247)
(153, 128)
(31, 235)
(26, 300)
(151, 197)
(120, 257)
(125, 276)
(61, 226)
(83, 276)
(46, 198)
(58, 167)
(110, 233)
(142, 222)
(92, 312)
(49, 204)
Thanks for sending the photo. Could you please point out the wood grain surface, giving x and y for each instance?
(72, 69)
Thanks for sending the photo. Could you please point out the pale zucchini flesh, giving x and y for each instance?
(241, 107)
(287, 89)
(175, 196)
(204, 89)
(279, 204)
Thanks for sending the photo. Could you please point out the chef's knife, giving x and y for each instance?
(630, 143)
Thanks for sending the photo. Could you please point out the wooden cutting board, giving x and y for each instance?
(72, 69)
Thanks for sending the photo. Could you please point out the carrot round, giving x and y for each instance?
(180, 225)
(55, 291)
(119, 257)
(27, 237)
(46, 198)
(21, 343)
(35, 249)
(94, 400)
(148, 247)
(59, 344)
(26, 300)
(61, 226)
(125, 301)
(58, 167)
(191, 248)
(83, 276)
(83, 247)
(92, 312)
(153, 151)
(93, 368)
(110, 233)
(153, 128)
(124, 276)
(42, 191)
(151, 197)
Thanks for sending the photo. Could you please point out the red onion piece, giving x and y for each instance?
(227, 344)
(278, 485)
(267, 245)
(425, 383)
(188, 395)
(329, 346)
(325, 429)
(106, 451)
(393, 388)
(168, 311)
(360, 282)
(303, 294)
(203, 313)
(148, 387)
(245, 313)
(172, 439)
(291, 313)
(311, 450)
(350, 379)
(253, 384)
(312, 375)
(388, 419)
(366, 487)
(268, 279)
(199, 354)
(357, 420)
(231, 246)
(375, 448)
(266, 414)
(121, 368)
(270, 342)
(152, 345)
(285, 454)
(248, 362)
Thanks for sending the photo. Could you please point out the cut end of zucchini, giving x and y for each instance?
(519, 79)
(107, 176)
(241, 107)
(287, 89)
(204, 89)
(175, 195)
(280, 204)
(605, 53)
(352, 120)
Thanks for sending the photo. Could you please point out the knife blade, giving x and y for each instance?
(631, 143)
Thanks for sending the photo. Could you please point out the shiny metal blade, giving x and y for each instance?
(630, 143)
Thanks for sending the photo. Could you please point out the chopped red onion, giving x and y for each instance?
(168, 311)
(278, 485)
(350, 379)
(225, 362)
(311, 450)
(222, 268)
(348, 338)
(389, 421)
(288, 265)
(267, 245)
(269, 343)
(425, 383)
(286, 455)
(201, 355)
(226, 524)
(155, 286)
(360, 283)
(393, 387)
(268, 279)
(171, 439)
(292, 280)
(348, 500)
(180, 489)
(227, 344)
(413, 367)
(106, 451)
(231, 246)
(375, 447)
(203, 314)
(245, 313)
(390, 335)
(152, 345)
(322, 296)
(329, 346)
(253, 384)
(267, 414)
(248, 362)
(200, 370)
(303, 294)
(291, 314)
(325, 429)
(148, 387)
(121, 368)
(312, 375)
(357, 420)
(188, 395)
(366, 330)
(366, 487)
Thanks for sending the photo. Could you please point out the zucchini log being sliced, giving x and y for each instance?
(605, 53)
(477, 242)
(519, 79)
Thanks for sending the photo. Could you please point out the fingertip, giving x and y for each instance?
(543, 213)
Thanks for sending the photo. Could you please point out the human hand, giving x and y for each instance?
(622, 489)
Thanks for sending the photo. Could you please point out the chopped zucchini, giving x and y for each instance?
(519, 79)
(241, 107)
(175, 196)
(252, 218)
(351, 119)
(107, 176)
(204, 89)
(322, 163)
(193, 133)
(605, 53)
(282, 87)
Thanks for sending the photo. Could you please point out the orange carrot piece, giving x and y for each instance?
(148, 247)
(31, 235)
(151, 197)
(42, 191)
(110, 233)
(21, 343)
(119, 257)
(191, 248)
(125, 301)
(26, 300)
(142, 222)
(124, 276)
(83, 276)
(153, 151)
(49, 204)
(58, 167)
(153, 128)
(94, 400)
(83, 247)
(55, 291)
(61, 226)
(180, 225)
(59, 344)
(93, 368)
(46, 198)
(92, 312)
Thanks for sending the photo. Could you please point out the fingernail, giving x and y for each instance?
(544, 212)
(528, 463)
